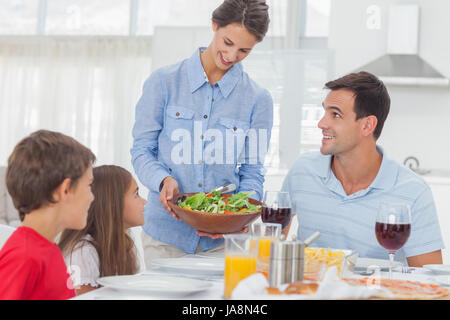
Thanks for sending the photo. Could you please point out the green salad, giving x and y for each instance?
(214, 202)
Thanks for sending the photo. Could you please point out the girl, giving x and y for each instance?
(188, 120)
(104, 247)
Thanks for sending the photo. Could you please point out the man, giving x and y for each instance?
(338, 191)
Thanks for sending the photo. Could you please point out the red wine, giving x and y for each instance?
(392, 236)
(280, 215)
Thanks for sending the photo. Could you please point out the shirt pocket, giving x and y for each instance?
(178, 118)
(235, 133)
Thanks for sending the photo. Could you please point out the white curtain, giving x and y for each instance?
(84, 87)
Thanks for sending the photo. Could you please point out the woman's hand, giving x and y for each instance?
(168, 192)
(217, 235)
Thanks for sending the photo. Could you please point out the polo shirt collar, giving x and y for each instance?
(197, 76)
(387, 175)
(385, 179)
(323, 167)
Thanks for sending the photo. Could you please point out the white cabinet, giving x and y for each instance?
(440, 186)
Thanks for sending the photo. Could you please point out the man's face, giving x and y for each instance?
(341, 131)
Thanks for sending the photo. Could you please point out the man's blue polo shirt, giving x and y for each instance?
(348, 221)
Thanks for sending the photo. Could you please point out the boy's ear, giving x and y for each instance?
(62, 191)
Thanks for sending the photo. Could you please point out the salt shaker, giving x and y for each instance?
(280, 266)
(298, 261)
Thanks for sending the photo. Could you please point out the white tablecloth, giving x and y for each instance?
(215, 292)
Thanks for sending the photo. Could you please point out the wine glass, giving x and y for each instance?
(393, 227)
(276, 208)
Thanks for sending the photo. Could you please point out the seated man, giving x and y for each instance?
(338, 191)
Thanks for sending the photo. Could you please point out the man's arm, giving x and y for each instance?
(434, 257)
(425, 242)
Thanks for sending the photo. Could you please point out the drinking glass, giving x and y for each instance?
(241, 251)
(265, 233)
(276, 208)
(393, 227)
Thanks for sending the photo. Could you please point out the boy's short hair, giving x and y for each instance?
(39, 164)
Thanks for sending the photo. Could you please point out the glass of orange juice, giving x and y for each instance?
(265, 233)
(241, 251)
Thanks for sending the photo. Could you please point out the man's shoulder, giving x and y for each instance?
(306, 169)
(406, 175)
(408, 184)
(308, 161)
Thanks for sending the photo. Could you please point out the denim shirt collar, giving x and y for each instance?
(197, 76)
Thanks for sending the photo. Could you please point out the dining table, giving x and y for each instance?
(209, 285)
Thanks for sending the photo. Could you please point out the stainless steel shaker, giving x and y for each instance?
(298, 261)
(280, 265)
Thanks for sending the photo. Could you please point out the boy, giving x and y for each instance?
(49, 178)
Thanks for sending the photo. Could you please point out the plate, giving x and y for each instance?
(159, 284)
(204, 266)
(439, 269)
(442, 280)
(215, 254)
(363, 263)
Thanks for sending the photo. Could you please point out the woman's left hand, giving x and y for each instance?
(217, 235)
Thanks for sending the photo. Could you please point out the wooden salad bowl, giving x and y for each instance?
(216, 223)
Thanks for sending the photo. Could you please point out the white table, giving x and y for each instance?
(216, 290)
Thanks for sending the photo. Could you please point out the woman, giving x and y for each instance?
(104, 247)
(195, 128)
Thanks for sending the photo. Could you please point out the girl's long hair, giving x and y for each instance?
(115, 248)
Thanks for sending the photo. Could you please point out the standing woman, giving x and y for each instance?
(185, 120)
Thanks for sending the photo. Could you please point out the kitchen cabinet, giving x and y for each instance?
(440, 187)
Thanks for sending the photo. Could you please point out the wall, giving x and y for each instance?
(418, 121)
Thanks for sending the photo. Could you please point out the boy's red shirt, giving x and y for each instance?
(31, 267)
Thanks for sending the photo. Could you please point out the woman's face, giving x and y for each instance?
(133, 214)
(231, 44)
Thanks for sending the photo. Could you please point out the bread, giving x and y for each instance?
(300, 287)
(273, 290)
(297, 287)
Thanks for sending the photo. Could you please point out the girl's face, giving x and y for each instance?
(231, 44)
(133, 214)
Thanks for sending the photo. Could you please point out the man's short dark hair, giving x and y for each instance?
(371, 96)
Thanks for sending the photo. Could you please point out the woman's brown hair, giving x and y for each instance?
(252, 14)
(105, 225)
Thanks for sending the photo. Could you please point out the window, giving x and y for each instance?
(86, 17)
(115, 17)
(317, 18)
(174, 13)
(295, 80)
(18, 17)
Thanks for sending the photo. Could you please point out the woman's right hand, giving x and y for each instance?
(168, 192)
